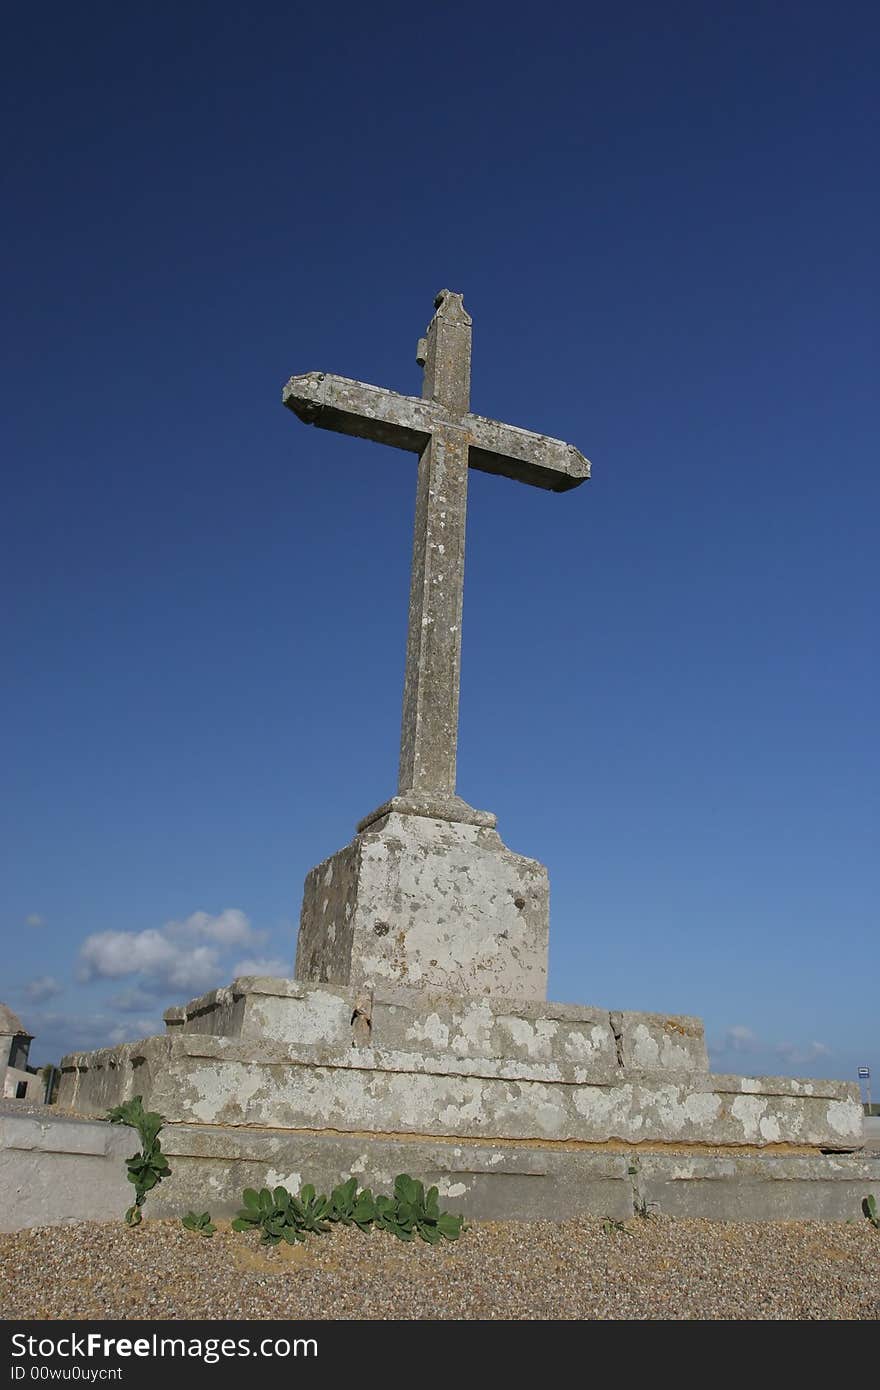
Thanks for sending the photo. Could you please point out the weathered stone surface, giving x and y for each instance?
(218, 1080)
(448, 808)
(416, 1036)
(521, 1108)
(765, 1187)
(493, 1182)
(402, 1019)
(406, 422)
(659, 1042)
(429, 729)
(398, 1060)
(446, 925)
(428, 904)
(270, 1009)
(513, 1031)
(55, 1169)
(521, 1182)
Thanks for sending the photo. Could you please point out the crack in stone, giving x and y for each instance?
(616, 1022)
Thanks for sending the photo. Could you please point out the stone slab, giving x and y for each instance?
(872, 1133)
(211, 1079)
(55, 1169)
(445, 808)
(428, 904)
(487, 1181)
(757, 1188)
(399, 1019)
(522, 1182)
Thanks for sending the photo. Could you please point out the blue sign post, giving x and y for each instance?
(865, 1075)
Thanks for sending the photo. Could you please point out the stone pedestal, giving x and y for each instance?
(427, 904)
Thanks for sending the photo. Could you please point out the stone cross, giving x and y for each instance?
(448, 439)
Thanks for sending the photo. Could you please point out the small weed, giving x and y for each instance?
(202, 1225)
(609, 1225)
(414, 1212)
(350, 1207)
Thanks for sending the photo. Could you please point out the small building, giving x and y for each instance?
(17, 1080)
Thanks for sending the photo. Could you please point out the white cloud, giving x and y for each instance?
(182, 955)
(58, 1033)
(228, 928)
(110, 955)
(798, 1055)
(42, 988)
(159, 966)
(134, 1029)
(263, 965)
(741, 1042)
(133, 1000)
(739, 1038)
(35, 920)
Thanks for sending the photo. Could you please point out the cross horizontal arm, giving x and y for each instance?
(521, 454)
(368, 412)
(407, 422)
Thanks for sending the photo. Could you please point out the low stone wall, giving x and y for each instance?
(56, 1168)
(514, 1182)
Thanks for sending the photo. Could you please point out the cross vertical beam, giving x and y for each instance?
(447, 355)
(429, 731)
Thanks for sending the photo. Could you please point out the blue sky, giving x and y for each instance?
(664, 222)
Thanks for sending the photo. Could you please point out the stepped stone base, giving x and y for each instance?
(515, 1108)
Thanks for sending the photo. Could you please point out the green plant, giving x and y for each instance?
(149, 1166)
(202, 1225)
(641, 1207)
(268, 1212)
(869, 1207)
(351, 1207)
(610, 1224)
(311, 1210)
(280, 1215)
(413, 1212)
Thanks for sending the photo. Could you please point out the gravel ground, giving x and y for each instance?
(659, 1268)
